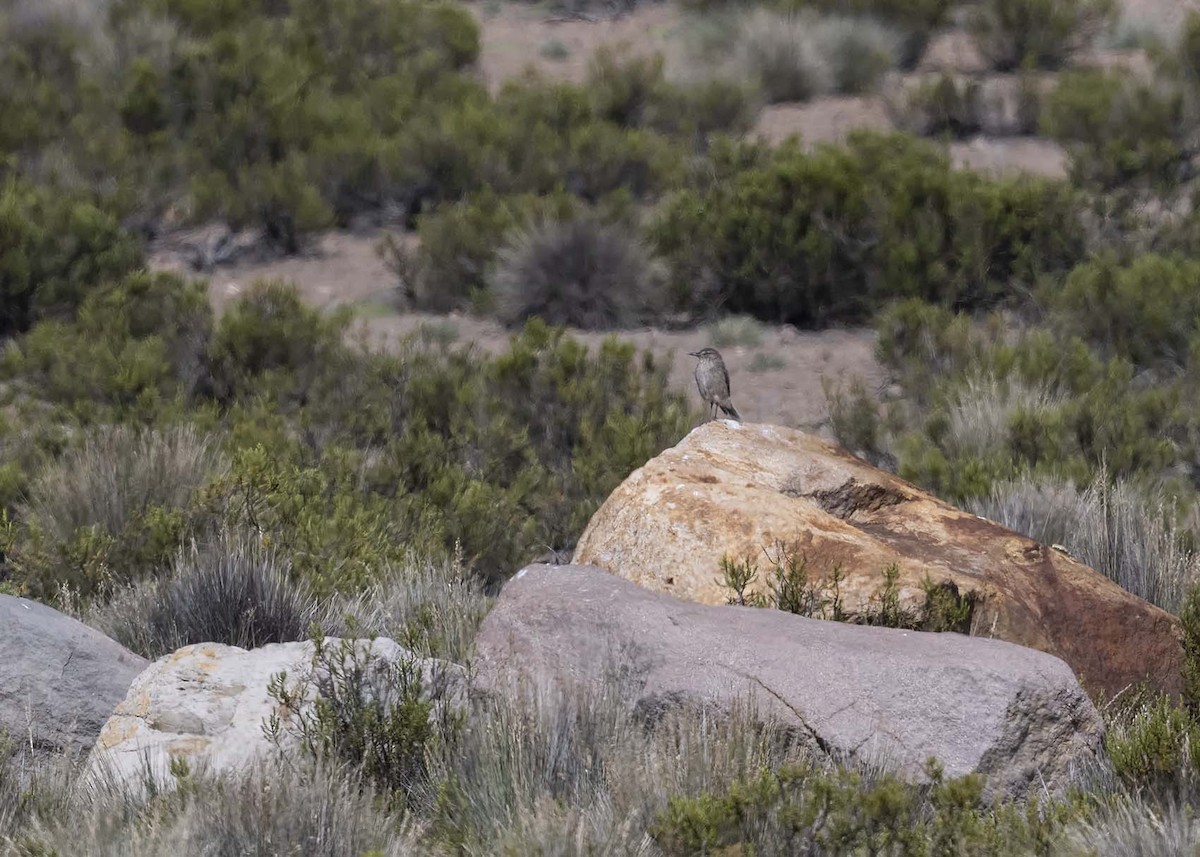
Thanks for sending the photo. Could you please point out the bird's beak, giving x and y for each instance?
(693, 354)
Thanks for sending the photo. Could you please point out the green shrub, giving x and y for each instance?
(703, 109)
(1154, 744)
(344, 459)
(1119, 131)
(1042, 33)
(42, 56)
(913, 21)
(136, 347)
(449, 269)
(580, 272)
(789, 588)
(95, 378)
(945, 105)
(624, 89)
(268, 340)
(1189, 617)
(232, 589)
(455, 266)
(815, 238)
(1144, 310)
(985, 405)
(54, 249)
(290, 117)
(317, 517)
(375, 717)
(806, 810)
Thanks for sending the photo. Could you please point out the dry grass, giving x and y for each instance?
(236, 590)
(232, 590)
(781, 55)
(275, 808)
(572, 771)
(742, 330)
(548, 771)
(981, 415)
(859, 51)
(432, 607)
(1138, 828)
(115, 475)
(1127, 534)
(797, 57)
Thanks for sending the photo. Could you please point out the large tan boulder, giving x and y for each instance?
(737, 490)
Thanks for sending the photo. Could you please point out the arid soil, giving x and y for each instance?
(775, 380)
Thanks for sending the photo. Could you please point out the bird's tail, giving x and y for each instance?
(732, 411)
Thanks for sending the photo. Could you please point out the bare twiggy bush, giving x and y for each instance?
(432, 607)
(859, 52)
(1124, 532)
(116, 475)
(1042, 32)
(782, 55)
(800, 56)
(581, 272)
(232, 590)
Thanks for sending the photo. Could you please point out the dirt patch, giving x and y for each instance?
(784, 391)
(1010, 155)
(776, 380)
(823, 120)
(515, 37)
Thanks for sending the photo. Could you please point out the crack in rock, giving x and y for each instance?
(825, 747)
(851, 497)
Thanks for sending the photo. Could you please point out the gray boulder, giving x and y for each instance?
(207, 704)
(59, 679)
(854, 693)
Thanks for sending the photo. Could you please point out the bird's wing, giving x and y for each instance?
(725, 372)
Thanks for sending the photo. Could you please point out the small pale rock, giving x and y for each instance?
(208, 704)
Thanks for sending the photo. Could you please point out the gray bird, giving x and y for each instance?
(712, 379)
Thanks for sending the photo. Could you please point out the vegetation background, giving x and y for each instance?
(997, 198)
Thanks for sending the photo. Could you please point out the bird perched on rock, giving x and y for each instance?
(712, 379)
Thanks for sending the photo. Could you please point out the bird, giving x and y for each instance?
(712, 379)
